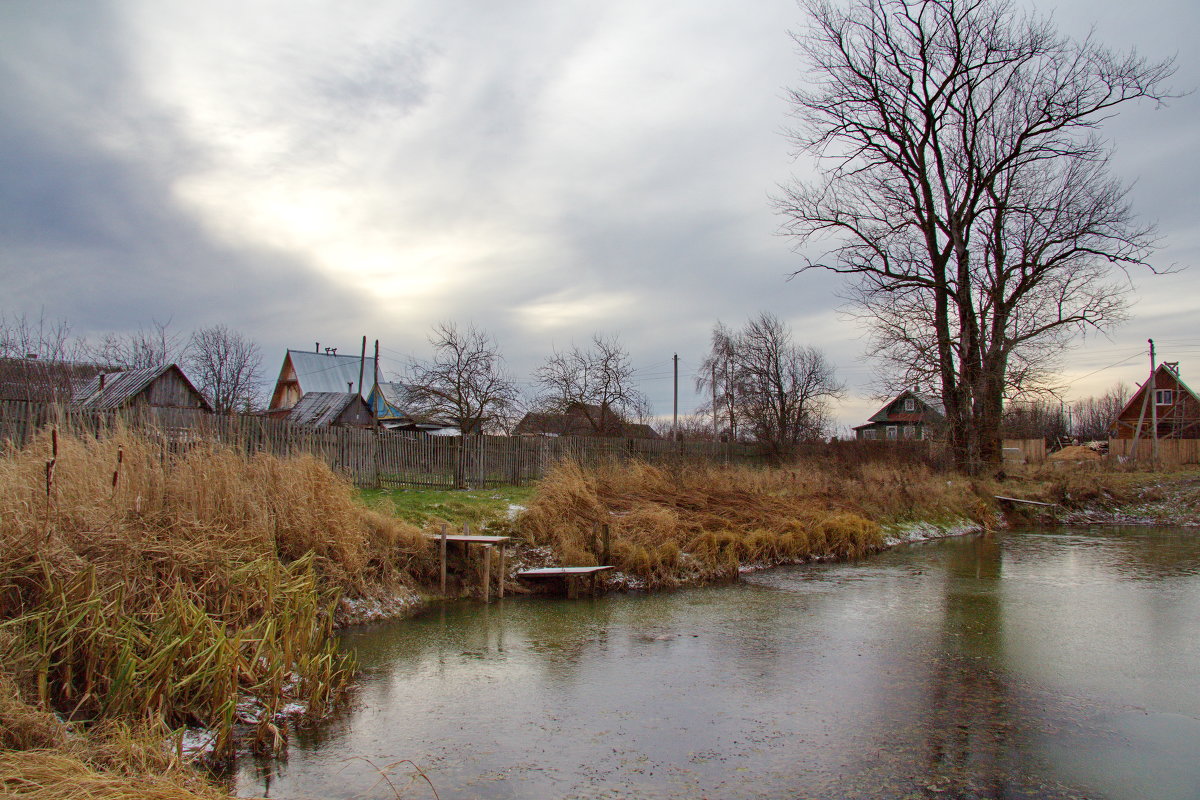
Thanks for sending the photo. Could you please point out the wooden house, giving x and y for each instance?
(387, 402)
(332, 409)
(160, 387)
(581, 419)
(305, 371)
(36, 380)
(1174, 405)
(908, 415)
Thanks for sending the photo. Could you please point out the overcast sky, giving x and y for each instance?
(544, 169)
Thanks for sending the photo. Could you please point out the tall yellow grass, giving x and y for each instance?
(139, 582)
(703, 521)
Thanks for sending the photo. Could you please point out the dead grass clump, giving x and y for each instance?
(697, 521)
(24, 727)
(57, 775)
(142, 583)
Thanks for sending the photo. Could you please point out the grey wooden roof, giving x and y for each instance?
(322, 372)
(39, 380)
(321, 409)
(121, 387)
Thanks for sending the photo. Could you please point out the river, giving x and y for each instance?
(1019, 664)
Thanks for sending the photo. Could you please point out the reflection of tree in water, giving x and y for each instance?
(969, 738)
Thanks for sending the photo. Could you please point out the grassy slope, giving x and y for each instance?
(422, 507)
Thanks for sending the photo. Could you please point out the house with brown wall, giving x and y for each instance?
(1174, 406)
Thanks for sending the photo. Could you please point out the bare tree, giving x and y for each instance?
(1094, 415)
(465, 381)
(226, 365)
(715, 381)
(1036, 419)
(778, 391)
(41, 338)
(784, 388)
(966, 191)
(599, 381)
(152, 347)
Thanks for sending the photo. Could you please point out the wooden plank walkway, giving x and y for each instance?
(570, 576)
(549, 572)
(1004, 499)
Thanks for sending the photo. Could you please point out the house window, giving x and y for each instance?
(909, 431)
(869, 433)
(892, 431)
(910, 404)
(1163, 397)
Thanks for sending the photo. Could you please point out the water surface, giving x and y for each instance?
(1019, 664)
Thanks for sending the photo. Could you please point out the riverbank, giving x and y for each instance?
(196, 587)
(1099, 494)
(149, 588)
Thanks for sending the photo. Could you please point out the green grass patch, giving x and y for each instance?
(475, 506)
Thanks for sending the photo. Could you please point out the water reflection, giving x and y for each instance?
(1025, 664)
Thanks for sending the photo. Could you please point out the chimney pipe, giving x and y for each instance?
(102, 381)
(316, 347)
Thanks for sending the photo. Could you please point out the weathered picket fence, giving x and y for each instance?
(375, 458)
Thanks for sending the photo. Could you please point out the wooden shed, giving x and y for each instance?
(327, 409)
(160, 387)
(1174, 405)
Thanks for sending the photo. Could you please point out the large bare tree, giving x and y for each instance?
(146, 347)
(599, 381)
(964, 188)
(777, 390)
(465, 381)
(226, 365)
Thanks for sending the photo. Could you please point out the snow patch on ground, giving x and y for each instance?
(197, 743)
(513, 510)
(357, 610)
(907, 532)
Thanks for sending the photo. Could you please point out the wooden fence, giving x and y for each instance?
(1171, 452)
(374, 458)
(1025, 451)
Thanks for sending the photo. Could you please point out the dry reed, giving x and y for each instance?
(185, 584)
(703, 521)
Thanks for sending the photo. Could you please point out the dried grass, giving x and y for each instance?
(137, 582)
(703, 521)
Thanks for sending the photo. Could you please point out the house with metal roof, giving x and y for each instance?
(329, 409)
(305, 371)
(908, 415)
(160, 387)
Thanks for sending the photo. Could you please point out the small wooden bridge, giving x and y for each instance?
(571, 577)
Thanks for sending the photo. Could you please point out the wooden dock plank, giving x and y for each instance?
(1025, 502)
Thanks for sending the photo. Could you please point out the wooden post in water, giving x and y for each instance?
(487, 573)
(443, 549)
(500, 593)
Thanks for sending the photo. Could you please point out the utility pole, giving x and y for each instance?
(1153, 409)
(362, 363)
(675, 407)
